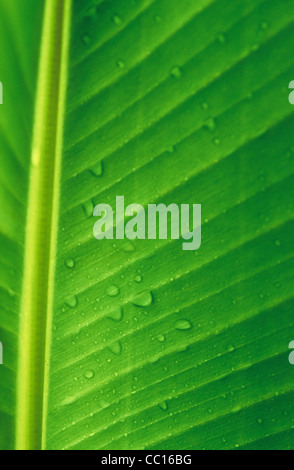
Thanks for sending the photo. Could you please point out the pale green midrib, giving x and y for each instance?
(41, 227)
(56, 212)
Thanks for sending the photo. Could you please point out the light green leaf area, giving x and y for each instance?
(118, 344)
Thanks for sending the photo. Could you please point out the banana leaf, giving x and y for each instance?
(138, 344)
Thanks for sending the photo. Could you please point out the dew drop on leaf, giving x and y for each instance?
(70, 263)
(264, 26)
(158, 19)
(88, 208)
(153, 359)
(209, 124)
(97, 169)
(163, 406)
(72, 302)
(113, 291)
(116, 315)
(11, 293)
(138, 278)
(120, 64)
(91, 12)
(143, 300)
(89, 374)
(183, 325)
(161, 338)
(116, 348)
(176, 72)
(117, 20)
(86, 39)
(221, 38)
(128, 247)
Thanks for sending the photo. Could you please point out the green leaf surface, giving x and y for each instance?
(138, 344)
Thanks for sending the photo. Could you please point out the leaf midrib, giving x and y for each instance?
(41, 227)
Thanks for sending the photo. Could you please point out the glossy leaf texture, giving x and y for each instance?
(147, 345)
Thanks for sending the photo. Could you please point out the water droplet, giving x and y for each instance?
(216, 141)
(209, 124)
(70, 263)
(158, 19)
(116, 315)
(230, 348)
(153, 359)
(88, 208)
(138, 278)
(120, 64)
(89, 374)
(143, 300)
(117, 20)
(163, 406)
(97, 169)
(128, 247)
(86, 39)
(91, 12)
(183, 325)
(11, 293)
(113, 291)
(161, 338)
(116, 348)
(221, 38)
(259, 421)
(176, 72)
(72, 302)
(264, 25)
(204, 105)
(277, 243)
